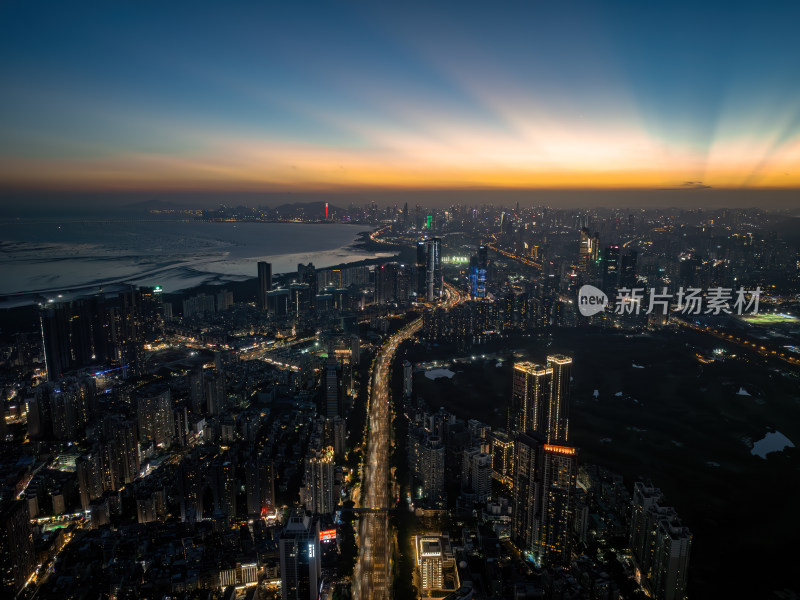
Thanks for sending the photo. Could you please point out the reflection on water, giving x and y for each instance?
(47, 257)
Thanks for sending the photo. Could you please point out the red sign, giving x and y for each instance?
(328, 534)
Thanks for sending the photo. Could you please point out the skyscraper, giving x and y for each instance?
(610, 269)
(530, 396)
(557, 428)
(660, 545)
(559, 470)
(319, 497)
(260, 485)
(17, 553)
(545, 470)
(332, 403)
(156, 417)
(300, 559)
(264, 283)
(434, 282)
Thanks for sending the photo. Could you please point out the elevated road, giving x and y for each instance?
(372, 576)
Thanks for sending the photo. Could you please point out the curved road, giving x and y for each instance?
(372, 577)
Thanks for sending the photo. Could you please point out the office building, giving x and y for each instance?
(299, 549)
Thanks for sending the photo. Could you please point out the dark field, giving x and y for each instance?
(680, 423)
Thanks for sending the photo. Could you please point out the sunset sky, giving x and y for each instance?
(352, 97)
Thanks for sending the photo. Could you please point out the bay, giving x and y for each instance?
(48, 257)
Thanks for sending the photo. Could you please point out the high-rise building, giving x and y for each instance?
(264, 283)
(332, 392)
(308, 274)
(200, 304)
(155, 416)
(477, 473)
(588, 250)
(558, 476)
(319, 482)
(17, 552)
(408, 374)
(610, 269)
(530, 397)
(89, 471)
(545, 469)
(355, 350)
(478, 266)
(628, 275)
(660, 545)
(339, 437)
(216, 401)
(432, 469)
(93, 330)
(502, 449)
(190, 491)
(301, 568)
(557, 425)
(434, 283)
(260, 485)
(224, 487)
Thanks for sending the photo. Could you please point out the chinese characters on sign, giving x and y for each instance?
(690, 301)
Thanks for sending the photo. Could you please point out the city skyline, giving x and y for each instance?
(360, 99)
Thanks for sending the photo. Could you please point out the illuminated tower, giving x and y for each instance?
(559, 471)
(557, 426)
(300, 560)
(433, 271)
(545, 468)
(319, 497)
(530, 396)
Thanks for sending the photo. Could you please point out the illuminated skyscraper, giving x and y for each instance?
(559, 470)
(434, 282)
(545, 469)
(530, 396)
(319, 497)
(300, 559)
(557, 424)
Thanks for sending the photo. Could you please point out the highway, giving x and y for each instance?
(372, 576)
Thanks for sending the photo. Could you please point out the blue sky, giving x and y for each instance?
(350, 96)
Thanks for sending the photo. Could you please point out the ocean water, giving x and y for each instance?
(48, 257)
